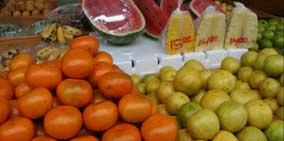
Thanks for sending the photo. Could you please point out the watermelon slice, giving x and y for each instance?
(169, 6)
(118, 21)
(198, 6)
(155, 17)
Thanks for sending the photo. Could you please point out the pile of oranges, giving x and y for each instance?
(83, 97)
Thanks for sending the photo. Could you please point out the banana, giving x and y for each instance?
(62, 53)
(72, 30)
(68, 36)
(60, 35)
(48, 30)
(53, 36)
(54, 55)
(44, 53)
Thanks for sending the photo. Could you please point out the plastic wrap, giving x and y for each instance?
(178, 35)
(70, 14)
(242, 28)
(210, 30)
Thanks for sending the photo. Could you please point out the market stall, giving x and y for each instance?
(133, 70)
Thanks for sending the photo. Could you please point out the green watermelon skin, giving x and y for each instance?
(116, 38)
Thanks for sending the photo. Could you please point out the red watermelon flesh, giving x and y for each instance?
(116, 16)
(156, 18)
(169, 6)
(198, 6)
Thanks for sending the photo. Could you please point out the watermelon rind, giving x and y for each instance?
(117, 38)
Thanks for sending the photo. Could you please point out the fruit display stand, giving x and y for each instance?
(147, 56)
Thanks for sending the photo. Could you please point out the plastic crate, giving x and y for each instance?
(146, 56)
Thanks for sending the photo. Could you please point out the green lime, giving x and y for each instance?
(266, 43)
(262, 22)
(279, 33)
(272, 21)
(259, 36)
(261, 28)
(271, 28)
(278, 41)
(268, 34)
(280, 26)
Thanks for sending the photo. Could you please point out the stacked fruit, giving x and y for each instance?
(25, 8)
(243, 100)
(82, 97)
(271, 33)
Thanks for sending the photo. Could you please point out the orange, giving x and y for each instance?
(100, 68)
(154, 106)
(4, 74)
(122, 132)
(98, 97)
(101, 116)
(159, 127)
(135, 108)
(77, 63)
(55, 102)
(21, 60)
(53, 63)
(42, 76)
(115, 84)
(75, 92)
(22, 89)
(103, 57)
(39, 130)
(63, 122)
(35, 103)
(14, 110)
(17, 76)
(88, 43)
(6, 89)
(4, 109)
(115, 68)
(85, 138)
(43, 138)
(17, 129)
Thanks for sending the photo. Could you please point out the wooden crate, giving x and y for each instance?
(20, 42)
(22, 21)
(25, 21)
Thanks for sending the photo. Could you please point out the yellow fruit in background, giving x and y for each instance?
(204, 124)
(213, 98)
(223, 135)
(243, 96)
(259, 114)
(188, 81)
(251, 133)
(194, 64)
(175, 101)
(222, 79)
(232, 116)
(272, 102)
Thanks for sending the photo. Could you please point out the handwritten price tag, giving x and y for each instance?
(178, 43)
(208, 41)
(238, 40)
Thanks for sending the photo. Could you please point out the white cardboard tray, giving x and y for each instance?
(146, 56)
